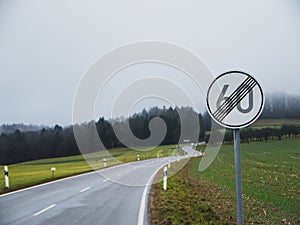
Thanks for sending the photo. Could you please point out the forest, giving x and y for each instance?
(48, 142)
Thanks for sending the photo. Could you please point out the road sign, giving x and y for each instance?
(235, 99)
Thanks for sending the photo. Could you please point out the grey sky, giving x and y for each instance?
(45, 46)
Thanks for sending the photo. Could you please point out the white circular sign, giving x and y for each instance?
(235, 99)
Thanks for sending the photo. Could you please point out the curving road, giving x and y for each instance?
(112, 196)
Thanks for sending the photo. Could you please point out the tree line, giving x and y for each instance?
(281, 106)
(24, 144)
(58, 141)
(11, 128)
(251, 134)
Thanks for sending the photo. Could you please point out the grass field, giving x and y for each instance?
(271, 188)
(39, 171)
(263, 123)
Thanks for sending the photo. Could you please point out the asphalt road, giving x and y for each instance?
(112, 196)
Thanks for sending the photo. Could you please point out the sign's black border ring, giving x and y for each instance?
(245, 124)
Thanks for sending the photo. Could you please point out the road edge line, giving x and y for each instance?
(58, 180)
(66, 178)
(144, 196)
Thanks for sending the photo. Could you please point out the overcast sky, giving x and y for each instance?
(46, 46)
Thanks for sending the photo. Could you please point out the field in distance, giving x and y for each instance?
(264, 123)
(39, 171)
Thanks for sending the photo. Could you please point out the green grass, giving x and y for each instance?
(39, 171)
(180, 204)
(271, 186)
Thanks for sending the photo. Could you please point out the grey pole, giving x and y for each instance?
(239, 203)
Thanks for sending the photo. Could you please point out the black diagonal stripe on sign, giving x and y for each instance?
(234, 103)
(236, 99)
(242, 96)
(223, 108)
(233, 100)
(230, 98)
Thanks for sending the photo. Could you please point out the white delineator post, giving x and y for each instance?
(165, 177)
(6, 176)
(104, 160)
(53, 170)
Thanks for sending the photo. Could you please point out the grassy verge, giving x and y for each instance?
(182, 203)
(39, 171)
(271, 195)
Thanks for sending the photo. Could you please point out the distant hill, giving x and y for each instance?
(11, 128)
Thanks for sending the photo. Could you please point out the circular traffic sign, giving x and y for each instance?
(235, 99)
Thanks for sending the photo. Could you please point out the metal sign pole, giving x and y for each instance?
(239, 202)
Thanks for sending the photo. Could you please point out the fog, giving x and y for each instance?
(46, 46)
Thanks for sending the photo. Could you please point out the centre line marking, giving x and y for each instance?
(85, 189)
(44, 210)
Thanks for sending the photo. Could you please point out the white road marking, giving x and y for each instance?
(44, 210)
(52, 182)
(143, 200)
(85, 189)
(144, 196)
(104, 180)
